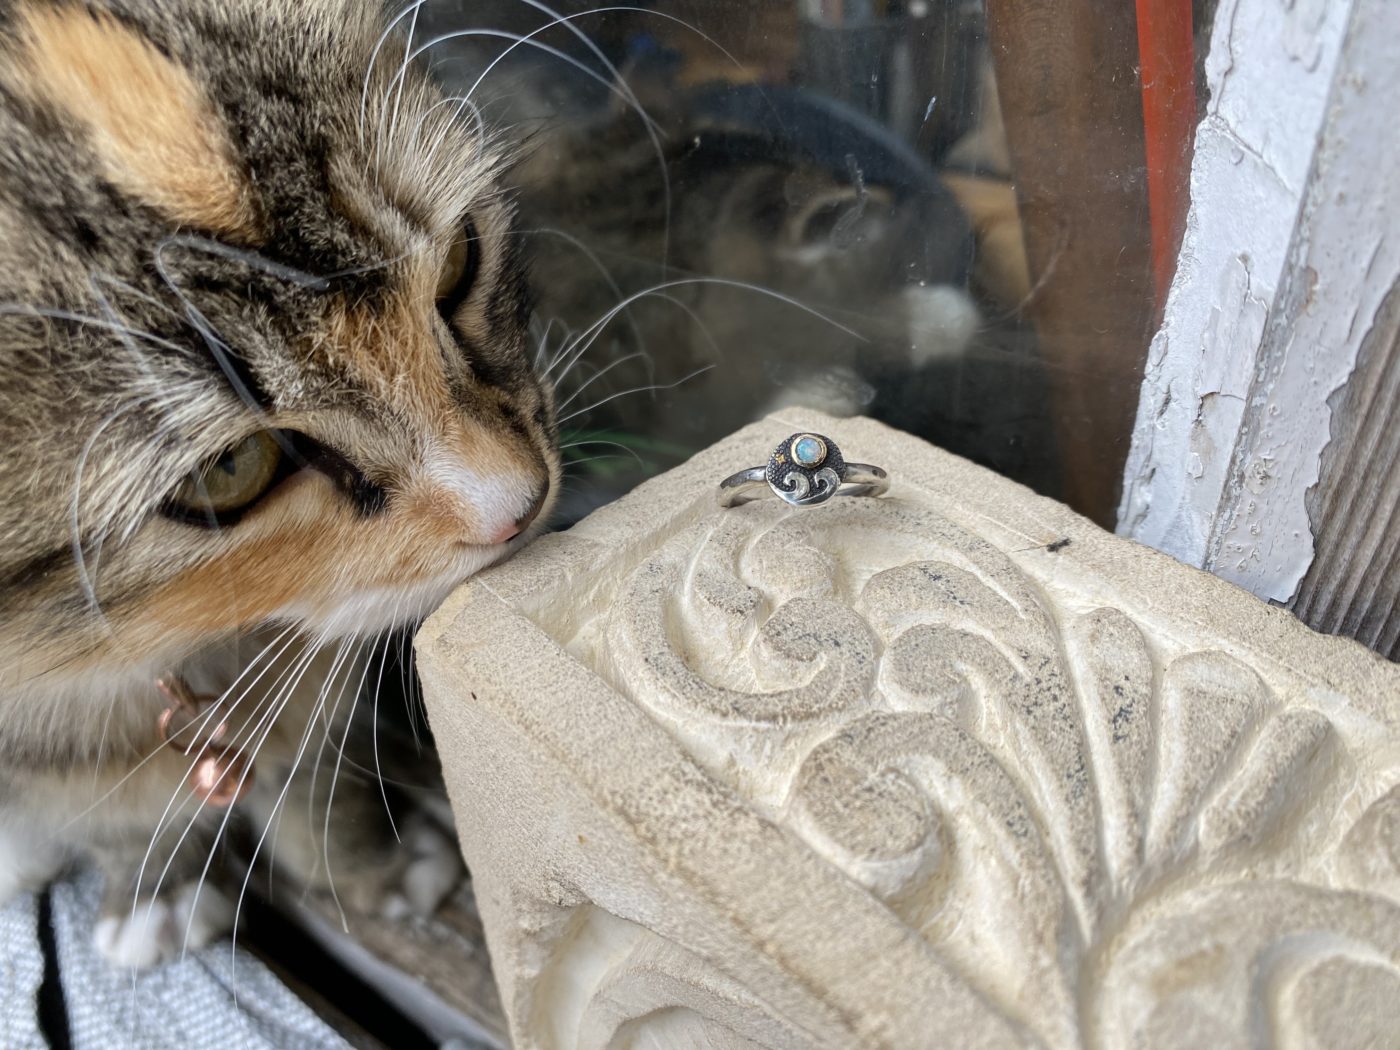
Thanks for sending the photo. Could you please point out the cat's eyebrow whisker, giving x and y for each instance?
(618, 86)
(220, 351)
(635, 390)
(252, 259)
(652, 128)
(400, 78)
(646, 11)
(464, 102)
(518, 40)
(409, 8)
(631, 96)
(567, 21)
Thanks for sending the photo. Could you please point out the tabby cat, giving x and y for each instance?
(266, 392)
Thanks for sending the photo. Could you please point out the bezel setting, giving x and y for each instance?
(802, 483)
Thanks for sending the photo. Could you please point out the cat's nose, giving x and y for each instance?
(523, 522)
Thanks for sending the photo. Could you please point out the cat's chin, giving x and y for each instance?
(378, 609)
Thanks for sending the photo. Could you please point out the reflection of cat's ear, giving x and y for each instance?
(650, 78)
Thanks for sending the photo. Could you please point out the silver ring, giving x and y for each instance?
(805, 470)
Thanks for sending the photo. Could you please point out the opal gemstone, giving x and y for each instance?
(808, 450)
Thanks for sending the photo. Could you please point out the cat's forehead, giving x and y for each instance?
(251, 190)
(279, 126)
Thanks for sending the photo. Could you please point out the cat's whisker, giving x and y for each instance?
(618, 86)
(599, 374)
(517, 40)
(601, 441)
(585, 339)
(218, 349)
(75, 524)
(652, 128)
(678, 304)
(264, 720)
(647, 12)
(400, 77)
(542, 342)
(150, 755)
(635, 390)
(202, 721)
(271, 707)
(597, 263)
(101, 277)
(87, 576)
(247, 257)
(593, 459)
(408, 681)
(335, 778)
(464, 102)
(272, 816)
(565, 347)
(374, 725)
(410, 8)
(327, 719)
(567, 21)
(26, 310)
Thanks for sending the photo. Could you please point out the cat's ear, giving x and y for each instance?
(153, 130)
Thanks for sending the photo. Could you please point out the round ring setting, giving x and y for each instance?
(805, 470)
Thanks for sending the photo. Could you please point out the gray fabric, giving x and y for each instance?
(21, 971)
(215, 997)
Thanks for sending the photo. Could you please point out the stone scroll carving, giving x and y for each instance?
(912, 772)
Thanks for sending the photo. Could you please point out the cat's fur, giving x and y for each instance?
(219, 217)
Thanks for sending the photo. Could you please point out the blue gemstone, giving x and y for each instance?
(808, 451)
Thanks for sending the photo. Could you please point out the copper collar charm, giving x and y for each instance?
(221, 775)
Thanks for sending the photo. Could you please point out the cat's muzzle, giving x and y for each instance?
(804, 471)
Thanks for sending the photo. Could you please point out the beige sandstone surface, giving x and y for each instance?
(911, 772)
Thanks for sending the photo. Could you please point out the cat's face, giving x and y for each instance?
(262, 334)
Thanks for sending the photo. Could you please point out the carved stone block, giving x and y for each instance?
(953, 767)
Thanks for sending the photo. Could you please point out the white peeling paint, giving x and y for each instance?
(1343, 262)
(1269, 70)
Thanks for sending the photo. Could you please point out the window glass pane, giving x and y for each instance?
(955, 216)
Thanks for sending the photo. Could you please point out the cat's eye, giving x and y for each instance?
(231, 483)
(458, 270)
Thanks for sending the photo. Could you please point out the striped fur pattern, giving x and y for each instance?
(218, 219)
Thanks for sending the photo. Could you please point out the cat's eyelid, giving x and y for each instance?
(462, 266)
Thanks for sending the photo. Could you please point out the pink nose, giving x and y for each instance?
(523, 522)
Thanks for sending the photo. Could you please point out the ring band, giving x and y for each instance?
(804, 471)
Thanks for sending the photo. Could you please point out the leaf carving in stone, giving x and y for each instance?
(1093, 816)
